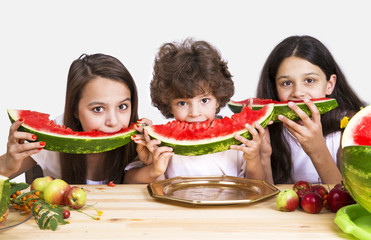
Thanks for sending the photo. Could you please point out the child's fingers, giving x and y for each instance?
(289, 124)
(302, 115)
(21, 151)
(161, 150)
(316, 116)
(14, 127)
(153, 145)
(249, 103)
(145, 122)
(19, 137)
(243, 140)
(146, 135)
(260, 129)
(254, 133)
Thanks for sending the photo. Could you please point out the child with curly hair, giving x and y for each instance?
(191, 83)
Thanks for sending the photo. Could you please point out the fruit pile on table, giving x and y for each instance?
(313, 198)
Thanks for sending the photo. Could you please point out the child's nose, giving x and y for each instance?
(299, 92)
(111, 119)
(194, 110)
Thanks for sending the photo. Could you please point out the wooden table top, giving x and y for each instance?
(129, 212)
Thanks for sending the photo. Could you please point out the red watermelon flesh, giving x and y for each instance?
(217, 128)
(41, 122)
(193, 139)
(363, 134)
(259, 101)
(61, 139)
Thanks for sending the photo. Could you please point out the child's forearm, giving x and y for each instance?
(141, 175)
(254, 169)
(326, 166)
(266, 163)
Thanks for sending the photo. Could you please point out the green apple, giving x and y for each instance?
(54, 192)
(287, 200)
(40, 184)
(75, 197)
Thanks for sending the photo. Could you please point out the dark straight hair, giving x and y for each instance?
(83, 70)
(312, 50)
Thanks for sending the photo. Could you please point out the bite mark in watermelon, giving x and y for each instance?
(194, 139)
(356, 157)
(323, 104)
(61, 139)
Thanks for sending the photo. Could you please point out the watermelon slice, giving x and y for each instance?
(358, 130)
(4, 197)
(194, 139)
(323, 105)
(61, 139)
(356, 157)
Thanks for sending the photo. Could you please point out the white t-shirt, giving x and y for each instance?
(303, 168)
(230, 162)
(49, 161)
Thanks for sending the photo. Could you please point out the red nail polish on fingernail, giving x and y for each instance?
(134, 136)
(21, 119)
(34, 137)
(137, 125)
(42, 143)
(140, 120)
(40, 149)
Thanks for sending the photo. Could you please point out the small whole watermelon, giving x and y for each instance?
(356, 157)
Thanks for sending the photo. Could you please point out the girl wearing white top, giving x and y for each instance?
(101, 95)
(301, 67)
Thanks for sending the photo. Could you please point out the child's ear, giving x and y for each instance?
(331, 84)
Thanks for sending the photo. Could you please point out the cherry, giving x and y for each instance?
(66, 213)
(312, 202)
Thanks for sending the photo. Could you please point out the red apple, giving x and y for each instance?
(54, 192)
(312, 202)
(338, 197)
(321, 190)
(75, 197)
(40, 184)
(287, 200)
(301, 188)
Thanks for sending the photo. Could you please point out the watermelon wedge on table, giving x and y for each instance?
(61, 139)
(194, 139)
(356, 157)
(323, 104)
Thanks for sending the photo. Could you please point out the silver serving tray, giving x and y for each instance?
(212, 190)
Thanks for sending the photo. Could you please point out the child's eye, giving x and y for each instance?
(286, 83)
(309, 80)
(97, 109)
(205, 100)
(123, 106)
(181, 103)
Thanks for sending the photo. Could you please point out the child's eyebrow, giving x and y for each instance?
(102, 103)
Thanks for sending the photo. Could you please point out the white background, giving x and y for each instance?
(40, 39)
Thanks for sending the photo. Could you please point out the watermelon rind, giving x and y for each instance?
(357, 126)
(76, 144)
(210, 145)
(323, 105)
(355, 168)
(4, 196)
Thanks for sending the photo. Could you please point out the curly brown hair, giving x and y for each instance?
(187, 69)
